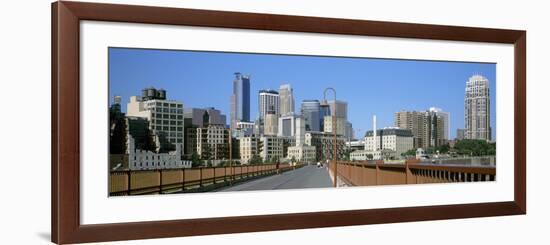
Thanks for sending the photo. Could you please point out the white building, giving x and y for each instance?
(248, 147)
(244, 129)
(394, 139)
(386, 143)
(301, 152)
(165, 116)
(213, 142)
(267, 147)
(268, 102)
(272, 147)
(356, 144)
(287, 125)
(148, 160)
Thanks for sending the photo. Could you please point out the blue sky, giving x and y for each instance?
(378, 87)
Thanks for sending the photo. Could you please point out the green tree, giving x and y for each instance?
(475, 147)
(347, 154)
(196, 161)
(370, 156)
(255, 159)
(411, 152)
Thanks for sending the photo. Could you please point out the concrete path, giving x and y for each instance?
(305, 177)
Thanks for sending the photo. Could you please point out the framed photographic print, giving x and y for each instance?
(176, 122)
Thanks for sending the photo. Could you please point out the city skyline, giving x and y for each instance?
(395, 84)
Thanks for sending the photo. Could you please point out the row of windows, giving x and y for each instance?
(165, 104)
(166, 128)
(169, 110)
(147, 157)
(166, 122)
(166, 116)
(175, 140)
(214, 141)
(152, 164)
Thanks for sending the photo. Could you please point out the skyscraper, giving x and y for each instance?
(311, 114)
(341, 109)
(477, 119)
(268, 102)
(240, 100)
(427, 127)
(286, 97)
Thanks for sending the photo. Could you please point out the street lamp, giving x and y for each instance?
(334, 156)
(230, 156)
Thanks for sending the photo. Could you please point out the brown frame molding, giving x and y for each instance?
(66, 227)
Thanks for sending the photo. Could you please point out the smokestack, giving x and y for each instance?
(374, 132)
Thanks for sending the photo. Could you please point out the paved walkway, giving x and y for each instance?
(305, 177)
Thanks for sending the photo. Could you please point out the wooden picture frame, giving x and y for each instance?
(65, 169)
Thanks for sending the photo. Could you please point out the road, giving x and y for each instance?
(305, 177)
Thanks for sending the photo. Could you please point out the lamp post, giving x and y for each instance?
(230, 156)
(334, 126)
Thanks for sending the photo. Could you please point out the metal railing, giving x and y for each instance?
(368, 173)
(139, 182)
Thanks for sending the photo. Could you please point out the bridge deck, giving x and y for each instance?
(305, 177)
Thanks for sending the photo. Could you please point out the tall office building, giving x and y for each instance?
(240, 100)
(341, 110)
(311, 114)
(165, 117)
(268, 103)
(477, 118)
(286, 97)
(427, 127)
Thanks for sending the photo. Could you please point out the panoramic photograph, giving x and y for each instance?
(202, 121)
